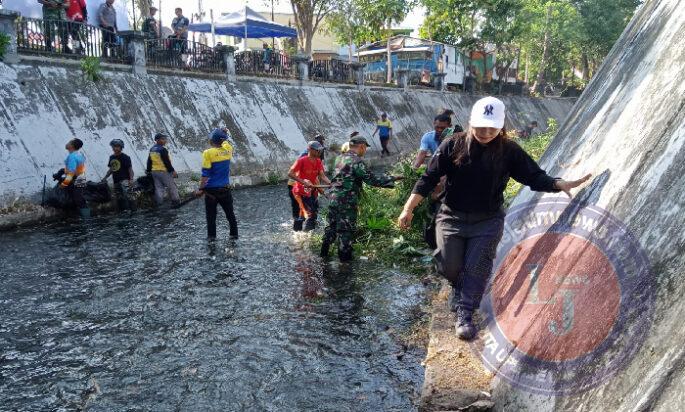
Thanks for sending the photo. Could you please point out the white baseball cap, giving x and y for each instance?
(488, 112)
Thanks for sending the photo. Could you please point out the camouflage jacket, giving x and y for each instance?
(350, 173)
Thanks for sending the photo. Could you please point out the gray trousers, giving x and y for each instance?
(164, 181)
(467, 243)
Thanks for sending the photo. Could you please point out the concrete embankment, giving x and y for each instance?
(45, 102)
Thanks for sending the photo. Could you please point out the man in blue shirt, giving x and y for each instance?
(431, 140)
(214, 184)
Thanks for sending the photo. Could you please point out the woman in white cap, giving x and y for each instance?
(470, 222)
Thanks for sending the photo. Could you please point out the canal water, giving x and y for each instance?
(142, 314)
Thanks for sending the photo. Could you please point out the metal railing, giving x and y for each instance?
(261, 62)
(331, 71)
(184, 55)
(69, 39)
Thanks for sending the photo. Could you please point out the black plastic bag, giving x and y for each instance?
(145, 184)
(97, 192)
(58, 198)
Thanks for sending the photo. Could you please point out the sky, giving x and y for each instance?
(414, 19)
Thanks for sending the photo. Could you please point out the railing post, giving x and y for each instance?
(228, 54)
(7, 19)
(134, 44)
(403, 78)
(439, 81)
(358, 73)
(302, 62)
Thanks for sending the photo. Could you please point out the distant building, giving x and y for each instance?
(324, 46)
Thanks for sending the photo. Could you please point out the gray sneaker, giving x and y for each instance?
(464, 326)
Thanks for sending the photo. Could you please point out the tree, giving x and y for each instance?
(308, 16)
(555, 36)
(346, 25)
(379, 15)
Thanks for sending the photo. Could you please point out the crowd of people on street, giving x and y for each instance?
(466, 174)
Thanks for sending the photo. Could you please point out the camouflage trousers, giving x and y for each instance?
(342, 222)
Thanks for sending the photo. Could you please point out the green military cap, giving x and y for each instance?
(359, 140)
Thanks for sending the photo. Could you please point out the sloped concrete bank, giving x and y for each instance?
(628, 130)
(44, 103)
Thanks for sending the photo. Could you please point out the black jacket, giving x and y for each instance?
(477, 185)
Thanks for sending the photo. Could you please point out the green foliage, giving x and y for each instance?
(580, 32)
(4, 44)
(363, 21)
(378, 236)
(273, 178)
(535, 146)
(91, 68)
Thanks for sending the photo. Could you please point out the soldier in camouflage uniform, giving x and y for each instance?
(55, 11)
(350, 173)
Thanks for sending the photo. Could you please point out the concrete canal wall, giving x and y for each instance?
(46, 102)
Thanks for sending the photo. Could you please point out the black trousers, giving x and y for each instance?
(384, 145)
(467, 243)
(294, 206)
(76, 195)
(213, 198)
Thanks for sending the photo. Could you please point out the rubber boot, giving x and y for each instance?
(297, 224)
(309, 224)
(325, 249)
(84, 213)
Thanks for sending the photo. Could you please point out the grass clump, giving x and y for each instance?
(91, 68)
(535, 146)
(5, 40)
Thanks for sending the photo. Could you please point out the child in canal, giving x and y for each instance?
(74, 182)
(470, 221)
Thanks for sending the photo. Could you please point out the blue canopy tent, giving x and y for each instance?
(245, 24)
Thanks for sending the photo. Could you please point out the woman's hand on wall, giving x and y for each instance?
(566, 186)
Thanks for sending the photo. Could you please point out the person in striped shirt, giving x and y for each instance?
(214, 184)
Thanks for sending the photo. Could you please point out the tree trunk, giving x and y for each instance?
(525, 78)
(388, 78)
(539, 85)
(349, 45)
(585, 66)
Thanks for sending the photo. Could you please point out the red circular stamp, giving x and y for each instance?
(570, 282)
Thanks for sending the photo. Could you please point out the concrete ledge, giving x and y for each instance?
(455, 379)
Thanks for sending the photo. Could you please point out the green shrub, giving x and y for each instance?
(273, 178)
(4, 44)
(91, 68)
(535, 146)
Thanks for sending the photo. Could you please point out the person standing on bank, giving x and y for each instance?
(470, 221)
(384, 130)
(121, 170)
(214, 184)
(162, 172)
